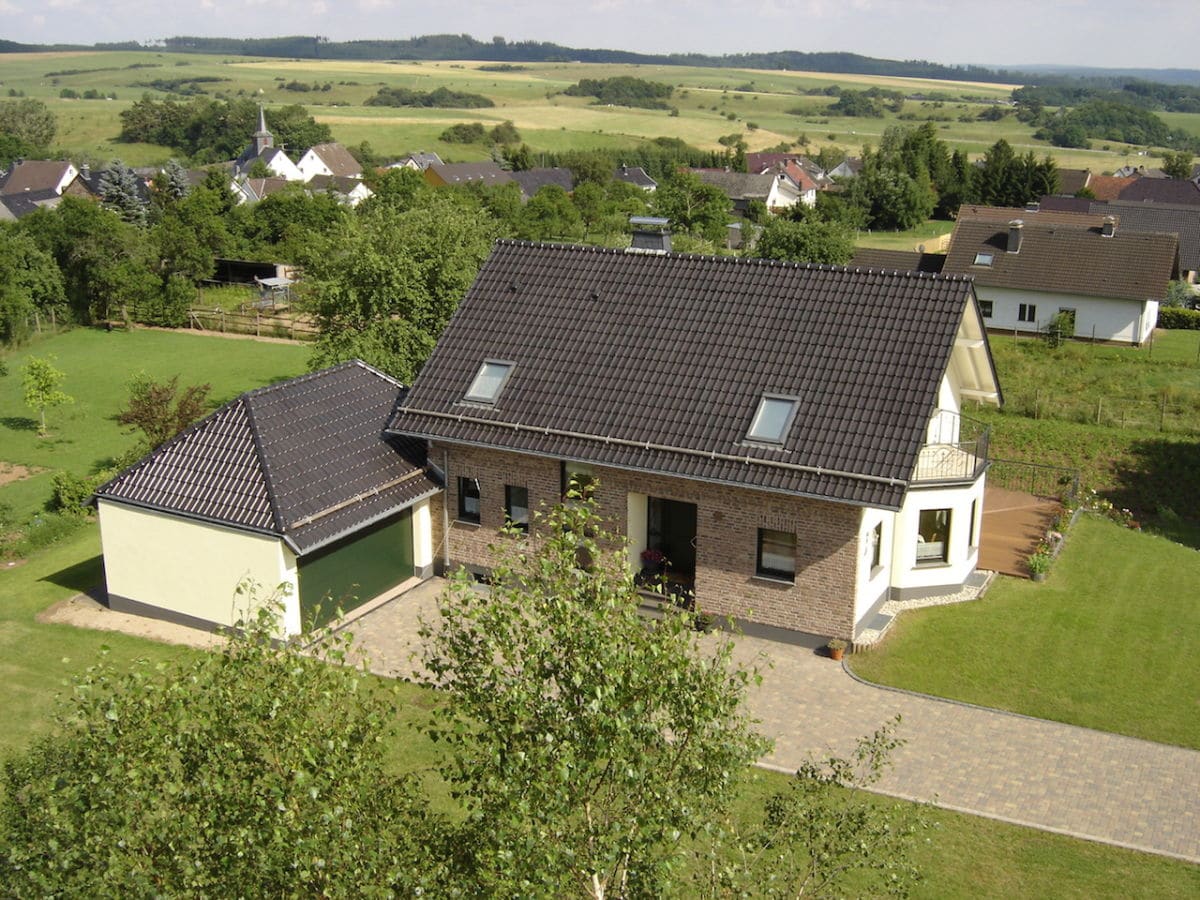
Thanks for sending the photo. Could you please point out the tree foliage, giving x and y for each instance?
(29, 122)
(30, 282)
(1178, 164)
(160, 410)
(441, 97)
(807, 240)
(693, 206)
(583, 742)
(238, 773)
(820, 829)
(623, 90)
(41, 387)
(384, 283)
(120, 192)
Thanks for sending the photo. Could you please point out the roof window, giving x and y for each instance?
(983, 259)
(772, 419)
(486, 387)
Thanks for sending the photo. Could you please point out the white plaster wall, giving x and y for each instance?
(871, 582)
(191, 567)
(310, 164)
(1112, 320)
(283, 166)
(963, 557)
(422, 528)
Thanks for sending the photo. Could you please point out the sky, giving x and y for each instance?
(1127, 34)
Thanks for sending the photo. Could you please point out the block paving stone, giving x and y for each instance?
(1061, 778)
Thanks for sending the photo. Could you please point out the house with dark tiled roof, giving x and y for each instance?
(1107, 281)
(25, 176)
(1161, 190)
(17, 206)
(447, 174)
(1181, 220)
(781, 443)
(636, 176)
(291, 486)
(418, 162)
(1072, 181)
(251, 190)
(776, 190)
(331, 159)
(350, 191)
(897, 260)
(533, 180)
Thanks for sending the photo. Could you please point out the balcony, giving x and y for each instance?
(956, 449)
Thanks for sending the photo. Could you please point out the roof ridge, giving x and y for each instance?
(319, 373)
(260, 454)
(730, 260)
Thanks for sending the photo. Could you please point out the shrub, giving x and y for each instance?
(464, 133)
(1179, 318)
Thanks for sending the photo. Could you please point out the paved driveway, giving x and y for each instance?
(1060, 778)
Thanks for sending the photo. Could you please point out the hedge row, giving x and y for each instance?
(1179, 318)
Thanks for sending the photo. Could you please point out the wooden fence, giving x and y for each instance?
(253, 322)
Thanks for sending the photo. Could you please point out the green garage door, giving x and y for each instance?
(354, 570)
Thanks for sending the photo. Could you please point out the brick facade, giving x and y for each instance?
(821, 600)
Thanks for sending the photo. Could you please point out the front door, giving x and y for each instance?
(671, 528)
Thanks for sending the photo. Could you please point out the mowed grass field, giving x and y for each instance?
(84, 435)
(765, 107)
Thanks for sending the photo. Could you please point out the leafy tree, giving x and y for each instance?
(40, 382)
(810, 240)
(384, 283)
(1177, 164)
(589, 165)
(464, 133)
(818, 830)
(550, 214)
(222, 774)
(693, 206)
(582, 741)
(160, 410)
(439, 97)
(29, 281)
(889, 195)
(119, 191)
(30, 122)
(190, 233)
(830, 157)
(290, 223)
(398, 188)
(518, 159)
(623, 90)
(505, 133)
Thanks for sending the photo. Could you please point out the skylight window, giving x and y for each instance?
(983, 259)
(773, 419)
(489, 382)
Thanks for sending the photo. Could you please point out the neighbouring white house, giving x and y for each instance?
(331, 159)
(293, 486)
(350, 191)
(418, 162)
(1099, 281)
(784, 444)
(776, 190)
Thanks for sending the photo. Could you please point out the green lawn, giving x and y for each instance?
(84, 435)
(931, 235)
(1107, 641)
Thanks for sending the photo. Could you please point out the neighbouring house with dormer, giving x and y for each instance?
(350, 191)
(331, 159)
(37, 176)
(262, 149)
(1095, 279)
(448, 174)
(785, 444)
(418, 162)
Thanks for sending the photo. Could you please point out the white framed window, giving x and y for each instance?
(772, 419)
(1027, 312)
(985, 308)
(933, 536)
(489, 381)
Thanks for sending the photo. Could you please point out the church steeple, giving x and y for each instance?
(263, 139)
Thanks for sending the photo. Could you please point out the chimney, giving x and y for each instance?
(1109, 228)
(650, 235)
(85, 170)
(1014, 235)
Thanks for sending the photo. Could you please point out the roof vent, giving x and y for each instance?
(1014, 235)
(651, 234)
(1109, 228)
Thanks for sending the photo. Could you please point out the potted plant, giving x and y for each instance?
(836, 648)
(1039, 564)
(653, 561)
